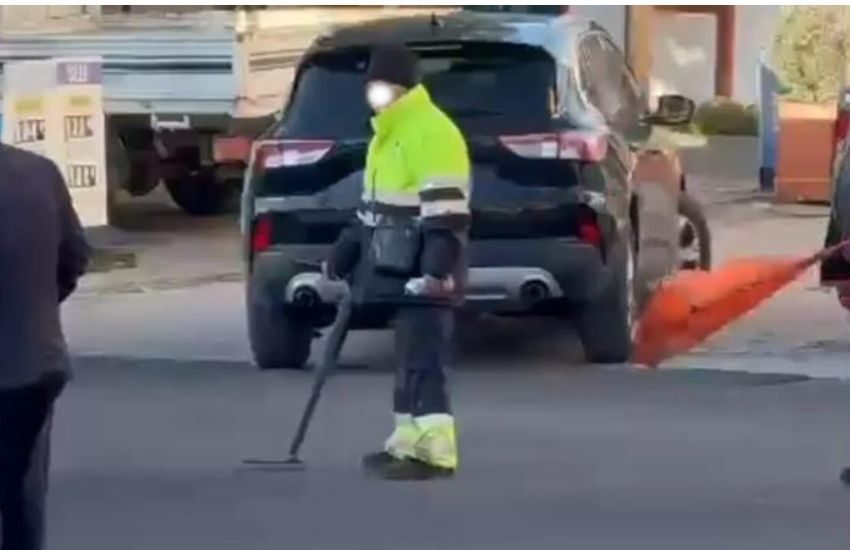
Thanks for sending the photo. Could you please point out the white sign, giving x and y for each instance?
(54, 108)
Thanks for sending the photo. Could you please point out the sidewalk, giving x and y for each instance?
(801, 328)
(168, 249)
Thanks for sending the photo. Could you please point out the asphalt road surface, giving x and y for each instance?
(148, 455)
(555, 454)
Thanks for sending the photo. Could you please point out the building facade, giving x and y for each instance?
(698, 51)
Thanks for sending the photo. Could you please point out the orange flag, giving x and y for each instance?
(693, 305)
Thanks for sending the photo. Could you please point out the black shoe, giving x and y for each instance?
(377, 461)
(408, 469)
(845, 477)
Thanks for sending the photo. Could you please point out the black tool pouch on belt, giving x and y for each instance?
(394, 247)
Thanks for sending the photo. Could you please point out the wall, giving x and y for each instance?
(684, 47)
(684, 55)
(38, 18)
(756, 28)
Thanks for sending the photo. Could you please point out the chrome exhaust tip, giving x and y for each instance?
(534, 292)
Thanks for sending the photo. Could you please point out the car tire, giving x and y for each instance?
(605, 326)
(200, 194)
(694, 230)
(279, 341)
(835, 268)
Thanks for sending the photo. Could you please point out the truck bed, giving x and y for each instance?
(152, 64)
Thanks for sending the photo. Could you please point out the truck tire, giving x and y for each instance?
(278, 340)
(694, 233)
(200, 194)
(143, 174)
(605, 326)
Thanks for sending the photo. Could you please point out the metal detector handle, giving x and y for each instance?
(336, 338)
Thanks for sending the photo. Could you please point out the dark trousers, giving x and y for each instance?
(423, 344)
(24, 447)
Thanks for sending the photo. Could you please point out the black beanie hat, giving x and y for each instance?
(394, 64)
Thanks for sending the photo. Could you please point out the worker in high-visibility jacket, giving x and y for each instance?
(415, 199)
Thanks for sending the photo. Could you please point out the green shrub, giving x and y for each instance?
(725, 117)
(811, 51)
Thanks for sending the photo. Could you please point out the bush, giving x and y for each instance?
(726, 118)
(811, 51)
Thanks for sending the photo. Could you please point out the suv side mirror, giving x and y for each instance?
(673, 110)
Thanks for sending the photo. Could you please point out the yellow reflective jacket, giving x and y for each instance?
(417, 167)
(417, 164)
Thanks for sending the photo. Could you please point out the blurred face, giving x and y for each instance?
(380, 94)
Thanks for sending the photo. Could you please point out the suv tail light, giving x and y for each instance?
(588, 227)
(842, 122)
(842, 125)
(283, 153)
(261, 233)
(572, 145)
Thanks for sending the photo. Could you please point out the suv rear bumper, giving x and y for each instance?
(511, 286)
(511, 275)
(519, 274)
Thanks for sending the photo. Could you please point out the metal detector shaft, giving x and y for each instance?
(336, 338)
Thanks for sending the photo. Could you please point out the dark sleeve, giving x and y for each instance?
(345, 252)
(442, 170)
(74, 250)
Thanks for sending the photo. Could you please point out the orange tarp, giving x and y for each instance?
(695, 304)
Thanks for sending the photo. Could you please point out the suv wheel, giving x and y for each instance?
(694, 235)
(201, 195)
(278, 339)
(606, 326)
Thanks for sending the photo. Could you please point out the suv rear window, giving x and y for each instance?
(486, 88)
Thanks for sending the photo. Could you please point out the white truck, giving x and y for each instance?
(176, 83)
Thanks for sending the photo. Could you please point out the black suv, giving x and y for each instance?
(561, 224)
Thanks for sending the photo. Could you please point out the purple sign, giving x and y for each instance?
(79, 72)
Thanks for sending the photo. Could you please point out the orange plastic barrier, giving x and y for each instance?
(806, 147)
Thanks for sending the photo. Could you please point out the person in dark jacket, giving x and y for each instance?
(43, 251)
(416, 183)
(835, 270)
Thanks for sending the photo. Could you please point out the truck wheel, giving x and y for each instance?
(201, 195)
(143, 174)
(694, 235)
(278, 341)
(606, 326)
